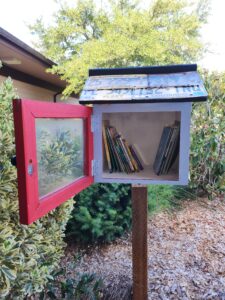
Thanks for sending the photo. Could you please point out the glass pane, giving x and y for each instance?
(60, 153)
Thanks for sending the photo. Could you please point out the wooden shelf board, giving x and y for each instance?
(147, 173)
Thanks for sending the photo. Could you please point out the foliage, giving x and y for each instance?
(120, 33)
(167, 197)
(102, 213)
(207, 161)
(85, 286)
(160, 197)
(28, 254)
(60, 156)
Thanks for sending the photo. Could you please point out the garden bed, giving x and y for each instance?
(186, 256)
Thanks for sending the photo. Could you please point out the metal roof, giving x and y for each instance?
(176, 83)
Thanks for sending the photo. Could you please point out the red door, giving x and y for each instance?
(54, 151)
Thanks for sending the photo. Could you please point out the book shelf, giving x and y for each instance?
(146, 174)
(142, 127)
(142, 130)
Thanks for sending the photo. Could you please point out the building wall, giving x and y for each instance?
(29, 91)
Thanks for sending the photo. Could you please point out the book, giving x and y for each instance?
(127, 163)
(115, 165)
(118, 150)
(168, 149)
(120, 156)
(126, 166)
(173, 151)
(106, 147)
(134, 153)
(134, 163)
(165, 138)
(113, 132)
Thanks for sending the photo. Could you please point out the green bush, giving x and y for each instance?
(167, 197)
(160, 197)
(102, 213)
(28, 254)
(207, 157)
(85, 286)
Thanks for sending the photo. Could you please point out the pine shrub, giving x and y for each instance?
(102, 212)
(28, 254)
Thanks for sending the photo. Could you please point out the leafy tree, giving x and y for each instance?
(117, 34)
(120, 33)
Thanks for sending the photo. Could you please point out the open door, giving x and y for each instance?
(54, 153)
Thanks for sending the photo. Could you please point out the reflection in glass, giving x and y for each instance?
(60, 153)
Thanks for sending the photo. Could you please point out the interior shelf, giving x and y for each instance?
(144, 131)
(146, 174)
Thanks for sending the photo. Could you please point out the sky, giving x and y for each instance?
(16, 14)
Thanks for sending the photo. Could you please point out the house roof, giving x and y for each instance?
(23, 63)
(172, 83)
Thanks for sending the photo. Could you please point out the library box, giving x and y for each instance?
(136, 130)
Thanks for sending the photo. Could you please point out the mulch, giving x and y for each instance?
(186, 256)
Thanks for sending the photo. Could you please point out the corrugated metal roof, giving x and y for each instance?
(180, 86)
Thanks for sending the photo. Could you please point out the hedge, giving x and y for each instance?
(28, 254)
(207, 155)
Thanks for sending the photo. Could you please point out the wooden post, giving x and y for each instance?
(139, 242)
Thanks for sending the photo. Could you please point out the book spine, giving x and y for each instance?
(126, 155)
(165, 137)
(106, 147)
(115, 149)
(116, 165)
(136, 157)
(125, 160)
(121, 158)
(114, 168)
(167, 151)
(134, 163)
(174, 150)
(122, 166)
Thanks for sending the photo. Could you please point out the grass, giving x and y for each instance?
(167, 197)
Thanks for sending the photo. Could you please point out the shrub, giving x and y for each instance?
(207, 157)
(102, 213)
(86, 286)
(160, 197)
(167, 197)
(28, 254)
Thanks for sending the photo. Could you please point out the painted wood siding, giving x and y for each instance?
(25, 90)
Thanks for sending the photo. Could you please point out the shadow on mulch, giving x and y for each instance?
(121, 289)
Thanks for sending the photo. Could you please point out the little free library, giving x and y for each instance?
(132, 126)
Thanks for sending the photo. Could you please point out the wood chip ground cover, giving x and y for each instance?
(186, 256)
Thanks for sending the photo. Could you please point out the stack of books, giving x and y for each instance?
(120, 156)
(168, 149)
